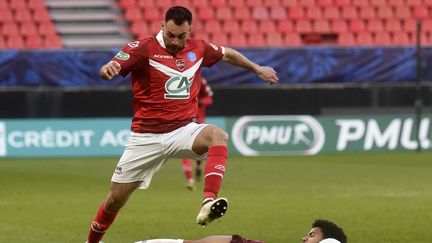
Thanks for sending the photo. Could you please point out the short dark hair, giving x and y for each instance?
(330, 230)
(179, 14)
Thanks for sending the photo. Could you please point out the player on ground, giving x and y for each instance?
(323, 231)
(205, 98)
(162, 70)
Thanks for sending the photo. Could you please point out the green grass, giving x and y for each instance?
(377, 198)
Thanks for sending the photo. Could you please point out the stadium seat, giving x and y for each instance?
(343, 3)
(53, 42)
(218, 3)
(154, 27)
(278, 13)
(200, 36)
(213, 26)
(339, 26)
(427, 3)
(253, 3)
(219, 39)
(139, 27)
(367, 13)
(385, 12)
(28, 29)
(42, 15)
(224, 13)
(321, 26)
(200, 3)
(285, 26)
(266, 26)
(420, 12)
(289, 3)
(272, 3)
(307, 3)
(128, 4)
(23, 15)
(378, 3)
(401, 38)
(375, 26)
(382, 38)
(402, 12)
(325, 3)
(231, 26)
(146, 4)
(393, 25)
(2, 42)
(47, 28)
(427, 26)
(10, 29)
(364, 39)
(346, 39)
(15, 42)
(313, 13)
(4, 6)
(292, 39)
(260, 13)
(331, 13)
(414, 3)
(256, 41)
(185, 3)
(133, 14)
(35, 5)
(17, 4)
(238, 39)
(409, 25)
(349, 13)
(242, 13)
(237, 4)
(274, 39)
(163, 4)
(248, 26)
(396, 3)
(296, 13)
(205, 13)
(34, 42)
(151, 14)
(6, 17)
(357, 26)
(303, 26)
(360, 3)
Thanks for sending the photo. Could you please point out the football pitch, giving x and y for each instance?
(376, 198)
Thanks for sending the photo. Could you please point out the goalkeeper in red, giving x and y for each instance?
(162, 70)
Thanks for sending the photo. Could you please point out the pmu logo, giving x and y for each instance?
(2, 139)
(178, 88)
(277, 135)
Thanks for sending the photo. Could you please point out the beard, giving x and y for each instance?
(173, 49)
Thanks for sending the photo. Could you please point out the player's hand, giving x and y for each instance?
(109, 70)
(267, 74)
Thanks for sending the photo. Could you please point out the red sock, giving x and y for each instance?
(187, 168)
(100, 224)
(214, 170)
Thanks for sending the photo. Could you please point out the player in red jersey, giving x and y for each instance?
(165, 101)
(323, 231)
(205, 98)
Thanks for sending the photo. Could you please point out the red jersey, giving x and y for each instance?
(164, 86)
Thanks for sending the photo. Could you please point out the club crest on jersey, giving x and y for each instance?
(191, 56)
(181, 64)
(133, 44)
(178, 87)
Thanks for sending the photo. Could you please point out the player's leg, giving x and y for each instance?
(214, 141)
(187, 170)
(198, 171)
(117, 197)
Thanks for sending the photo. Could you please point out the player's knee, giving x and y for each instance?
(218, 137)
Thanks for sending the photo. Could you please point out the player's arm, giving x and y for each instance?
(265, 73)
(110, 70)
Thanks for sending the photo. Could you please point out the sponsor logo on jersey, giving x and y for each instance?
(122, 55)
(181, 64)
(163, 56)
(220, 167)
(2, 139)
(277, 135)
(214, 46)
(178, 87)
(118, 170)
(191, 56)
(133, 44)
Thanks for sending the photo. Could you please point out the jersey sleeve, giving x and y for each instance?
(130, 57)
(212, 54)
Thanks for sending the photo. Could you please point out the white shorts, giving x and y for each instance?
(145, 153)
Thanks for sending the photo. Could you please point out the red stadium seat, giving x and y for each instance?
(200, 3)
(213, 26)
(427, 26)
(139, 27)
(155, 27)
(332, 13)
(420, 12)
(343, 3)
(414, 3)
(133, 14)
(248, 26)
(6, 17)
(357, 26)
(313, 13)
(254, 3)
(163, 4)
(4, 6)
(47, 28)
(2, 42)
(34, 42)
(256, 41)
(274, 39)
(205, 13)
(303, 26)
(219, 39)
(242, 13)
(296, 13)
(15, 42)
(396, 3)
(378, 3)
(260, 13)
(218, 3)
(151, 14)
(375, 26)
(127, 4)
(285, 26)
(29, 29)
(53, 42)
(360, 3)
(278, 13)
(427, 3)
(267, 26)
(23, 15)
(237, 3)
(185, 3)
(292, 39)
(307, 3)
(290, 3)
(238, 39)
(224, 13)
(364, 39)
(231, 26)
(326, 3)
(393, 25)
(349, 13)
(36, 4)
(201, 36)
(382, 38)
(18, 4)
(10, 29)
(42, 15)
(409, 25)
(339, 26)
(385, 13)
(367, 13)
(401, 38)
(146, 4)
(402, 12)
(346, 39)
(322, 26)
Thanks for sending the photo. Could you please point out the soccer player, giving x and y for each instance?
(205, 98)
(165, 104)
(323, 231)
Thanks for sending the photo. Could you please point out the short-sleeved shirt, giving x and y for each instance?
(164, 86)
